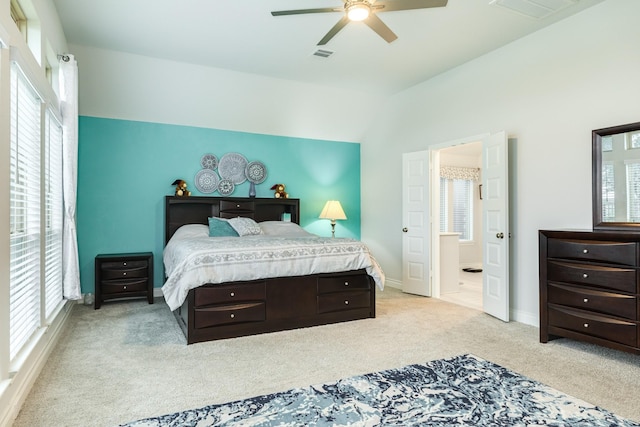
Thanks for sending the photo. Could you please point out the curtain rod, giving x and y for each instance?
(64, 57)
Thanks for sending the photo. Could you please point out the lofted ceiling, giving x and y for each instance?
(243, 36)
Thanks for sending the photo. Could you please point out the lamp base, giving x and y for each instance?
(333, 228)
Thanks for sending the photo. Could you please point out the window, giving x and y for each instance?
(53, 214)
(19, 17)
(457, 207)
(633, 191)
(24, 265)
(608, 193)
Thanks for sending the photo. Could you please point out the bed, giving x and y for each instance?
(212, 300)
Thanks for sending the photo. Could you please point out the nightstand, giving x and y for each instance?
(123, 276)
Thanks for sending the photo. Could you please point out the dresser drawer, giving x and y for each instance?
(593, 300)
(342, 283)
(227, 205)
(592, 324)
(340, 301)
(623, 279)
(124, 269)
(221, 294)
(229, 314)
(124, 286)
(624, 253)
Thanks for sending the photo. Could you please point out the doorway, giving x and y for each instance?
(459, 216)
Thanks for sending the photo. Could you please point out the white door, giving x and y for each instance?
(415, 223)
(495, 219)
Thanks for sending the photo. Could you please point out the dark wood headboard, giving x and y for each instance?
(179, 211)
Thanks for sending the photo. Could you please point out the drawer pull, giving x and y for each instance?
(585, 251)
(346, 302)
(233, 315)
(124, 274)
(585, 300)
(237, 206)
(233, 294)
(124, 263)
(586, 325)
(346, 283)
(124, 287)
(585, 275)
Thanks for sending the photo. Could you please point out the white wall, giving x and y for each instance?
(125, 86)
(548, 91)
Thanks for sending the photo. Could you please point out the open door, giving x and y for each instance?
(415, 231)
(495, 219)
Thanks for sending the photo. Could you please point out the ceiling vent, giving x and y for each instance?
(537, 9)
(323, 53)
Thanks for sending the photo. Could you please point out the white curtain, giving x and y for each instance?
(69, 112)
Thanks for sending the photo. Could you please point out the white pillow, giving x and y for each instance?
(191, 230)
(245, 226)
(283, 228)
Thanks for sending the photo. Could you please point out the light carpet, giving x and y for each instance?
(459, 391)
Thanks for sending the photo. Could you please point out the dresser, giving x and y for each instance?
(589, 287)
(123, 276)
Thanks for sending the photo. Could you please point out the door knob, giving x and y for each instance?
(405, 229)
(500, 235)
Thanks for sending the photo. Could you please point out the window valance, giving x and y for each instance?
(457, 172)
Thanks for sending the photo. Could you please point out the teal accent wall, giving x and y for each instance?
(125, 168)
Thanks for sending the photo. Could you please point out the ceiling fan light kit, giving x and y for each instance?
(366, 11)
(357, 10)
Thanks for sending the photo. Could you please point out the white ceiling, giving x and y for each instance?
(242, 35)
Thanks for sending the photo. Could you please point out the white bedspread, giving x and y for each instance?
(191, 261)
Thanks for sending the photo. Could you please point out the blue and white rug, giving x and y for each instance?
(459, 391)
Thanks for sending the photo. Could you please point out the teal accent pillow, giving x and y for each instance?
(219, 227)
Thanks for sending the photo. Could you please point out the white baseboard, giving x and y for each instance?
(14, 391)
(396, 284)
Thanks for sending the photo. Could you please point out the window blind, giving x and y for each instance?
(633, 192)
(24, 221)
(462, 208)
(53, 214)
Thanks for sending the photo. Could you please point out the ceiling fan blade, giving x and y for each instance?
(333, 31)
(302, 11)
(391, 5)
(380, 27)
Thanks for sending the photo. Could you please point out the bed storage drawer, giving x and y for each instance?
(622, 279)
(229, 314)
(595, 325)
(343, 283)
(593, 300)
(238, 292)
(340, 301)
(597, 251)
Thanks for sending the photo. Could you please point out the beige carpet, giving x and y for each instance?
(129, 360)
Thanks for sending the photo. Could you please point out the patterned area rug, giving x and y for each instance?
(459, 391)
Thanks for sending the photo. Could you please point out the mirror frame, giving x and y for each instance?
(596, 183)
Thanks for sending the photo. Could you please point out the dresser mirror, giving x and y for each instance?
(616, 178)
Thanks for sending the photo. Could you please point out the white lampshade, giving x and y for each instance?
(332, 210)
(358, 10)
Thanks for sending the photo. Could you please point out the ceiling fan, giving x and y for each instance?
(365, 11)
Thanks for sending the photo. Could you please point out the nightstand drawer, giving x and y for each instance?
(622, 279)
(593, 300)
(610, 252)
(340, 301)
(342, 283)
(124, 286)
(229, 314)
(126, 271)
(217, 294)
(592, 324)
